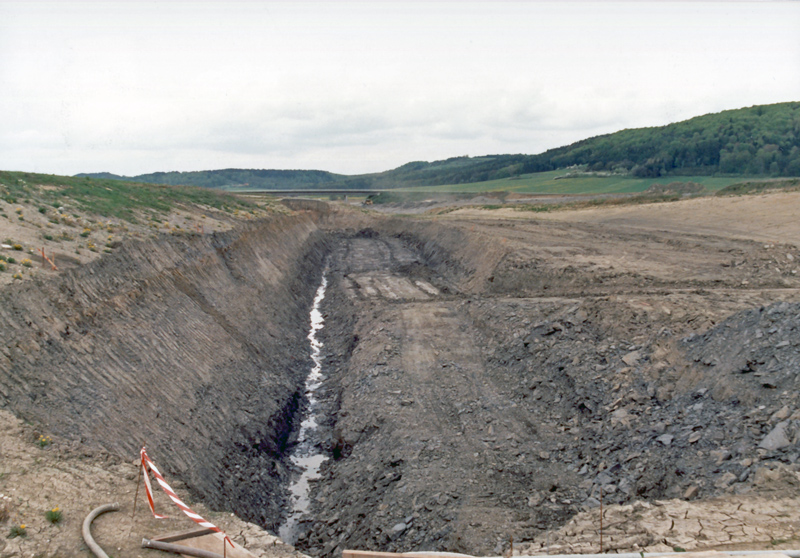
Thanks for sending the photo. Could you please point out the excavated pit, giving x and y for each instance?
(481, 379)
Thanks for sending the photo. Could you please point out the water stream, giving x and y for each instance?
(306, 456)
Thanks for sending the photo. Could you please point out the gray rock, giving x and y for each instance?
(782, 414)
(725, 480)
(591, 503)
(399, 528)
(744, 475)
(632, 358)
(603, 479)
(778, 438)
(665, 439)
(691, 493)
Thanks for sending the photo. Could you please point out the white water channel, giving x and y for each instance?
(306, 455)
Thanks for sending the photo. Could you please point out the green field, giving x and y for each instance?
(546, 183)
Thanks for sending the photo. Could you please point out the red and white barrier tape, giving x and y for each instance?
(148, 465)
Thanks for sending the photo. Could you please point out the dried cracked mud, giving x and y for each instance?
(486, 378)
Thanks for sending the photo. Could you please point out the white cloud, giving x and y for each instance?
(134, 87)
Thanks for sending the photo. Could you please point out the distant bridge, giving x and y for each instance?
(314, 192)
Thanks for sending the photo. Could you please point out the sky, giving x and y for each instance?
(134, 87)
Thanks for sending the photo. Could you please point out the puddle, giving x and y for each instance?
(306, 456)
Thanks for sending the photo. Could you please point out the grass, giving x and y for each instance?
(549, 183)
(17, 531)
(53, 516)
(112, 198)
(757, 186)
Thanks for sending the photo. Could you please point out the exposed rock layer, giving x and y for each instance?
(193, 345)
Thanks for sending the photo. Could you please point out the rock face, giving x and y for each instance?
(193, 345)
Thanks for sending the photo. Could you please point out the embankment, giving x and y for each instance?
(194, 345)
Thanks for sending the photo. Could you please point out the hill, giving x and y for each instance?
(226, 179)
(761, 141)
(757, 141)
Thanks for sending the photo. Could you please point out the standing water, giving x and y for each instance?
(305, 455)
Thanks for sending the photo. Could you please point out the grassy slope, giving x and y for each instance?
(111, 198)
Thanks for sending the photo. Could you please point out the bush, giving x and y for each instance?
(17, 531)
(53, 516)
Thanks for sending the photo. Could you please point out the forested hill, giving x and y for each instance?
(760, 140)
(757, 141)
(234, 178)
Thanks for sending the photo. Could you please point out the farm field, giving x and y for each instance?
(549, 183)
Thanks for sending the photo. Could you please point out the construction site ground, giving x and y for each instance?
(498, 375)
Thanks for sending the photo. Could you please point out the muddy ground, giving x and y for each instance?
(489, 376)
(573, 362)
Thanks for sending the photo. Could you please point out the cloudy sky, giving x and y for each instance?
(135, 87)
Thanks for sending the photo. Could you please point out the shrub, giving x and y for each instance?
(53, 516)
(17, 247)
(11, 260)
(17, 531)
(44, 441)
(3, 266)
(86, 232)
(26, 262)
(48, 237)
(42, 210)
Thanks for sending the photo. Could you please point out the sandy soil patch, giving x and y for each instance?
(771, 218)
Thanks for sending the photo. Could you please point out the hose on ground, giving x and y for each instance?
(87, 528)
(180, 549)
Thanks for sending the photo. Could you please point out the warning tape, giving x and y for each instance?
(148, 465)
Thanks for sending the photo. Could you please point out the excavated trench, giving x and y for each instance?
(479, 380)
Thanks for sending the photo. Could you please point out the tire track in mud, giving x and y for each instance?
(430, 445)
(445, 370)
